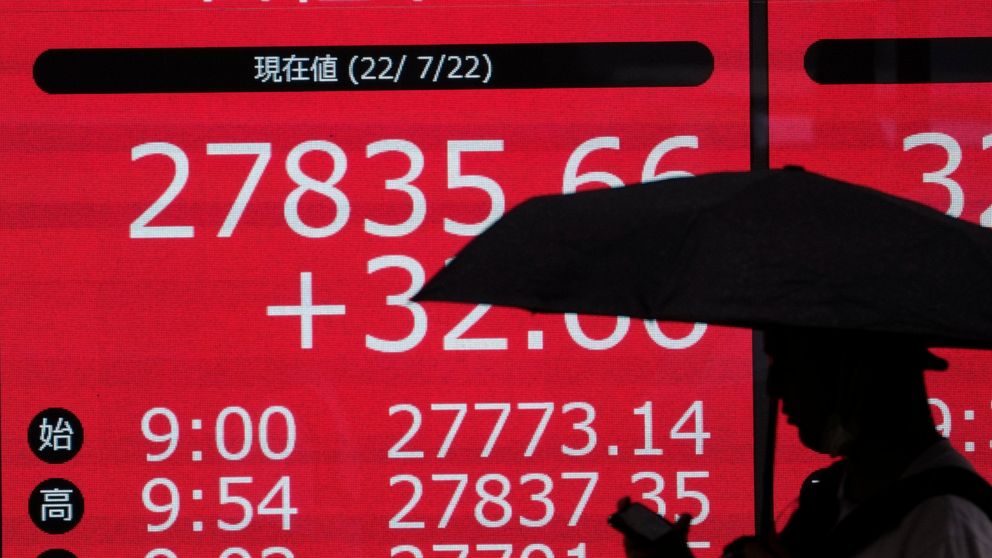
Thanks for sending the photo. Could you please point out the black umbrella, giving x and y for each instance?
(753, 249)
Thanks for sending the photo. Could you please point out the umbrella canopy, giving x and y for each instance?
(752, 249)
(763, 249)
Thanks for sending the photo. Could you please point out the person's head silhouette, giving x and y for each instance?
(850, 391)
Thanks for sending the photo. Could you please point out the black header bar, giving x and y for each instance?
(373, 68)
(893, 61)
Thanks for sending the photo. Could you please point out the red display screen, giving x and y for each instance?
(900, 115)
(206, 343)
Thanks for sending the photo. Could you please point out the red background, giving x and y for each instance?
(110, 327)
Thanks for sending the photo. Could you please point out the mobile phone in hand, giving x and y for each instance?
(638, 521)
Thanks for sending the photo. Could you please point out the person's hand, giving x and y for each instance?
(754, 547)
(672, 545)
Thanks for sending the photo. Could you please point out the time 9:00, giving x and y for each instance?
(171, 435)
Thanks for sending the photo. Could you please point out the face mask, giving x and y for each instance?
(836, 438)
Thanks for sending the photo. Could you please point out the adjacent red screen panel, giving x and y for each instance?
(206, 347)
(902, 113)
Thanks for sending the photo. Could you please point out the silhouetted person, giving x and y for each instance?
(900, 489)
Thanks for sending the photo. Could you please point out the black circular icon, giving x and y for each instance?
(56, 553)
(55, 435)
(56, 506)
